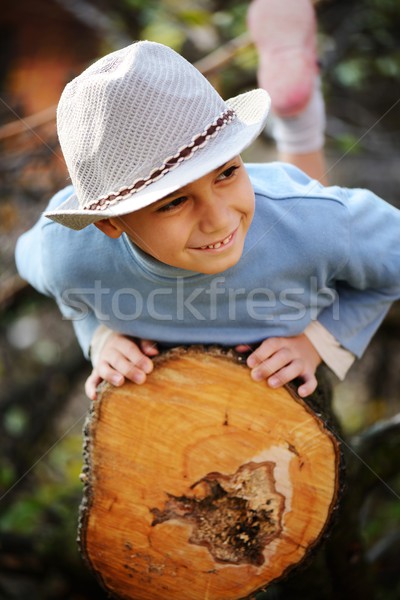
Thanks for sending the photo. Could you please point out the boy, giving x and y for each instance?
(199, 248)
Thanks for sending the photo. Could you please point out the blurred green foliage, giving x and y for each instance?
(38, 529)
(47, 509)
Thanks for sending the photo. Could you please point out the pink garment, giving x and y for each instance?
(284, 32)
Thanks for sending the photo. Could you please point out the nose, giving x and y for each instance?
(214, 214)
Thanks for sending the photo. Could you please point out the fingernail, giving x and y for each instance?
(117, 379)
(148, 367)
(251, 361)
(273, 382)
(140, 378)
(257, 375)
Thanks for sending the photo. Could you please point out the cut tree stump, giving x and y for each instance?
(201, 483)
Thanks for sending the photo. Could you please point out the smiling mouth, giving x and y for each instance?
(218, 244)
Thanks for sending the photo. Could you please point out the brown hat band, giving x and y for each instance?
(170, 163)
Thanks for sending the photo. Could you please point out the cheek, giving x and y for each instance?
(144, 236)
(168, 239)
(250, 203)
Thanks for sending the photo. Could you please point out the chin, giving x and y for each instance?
(214, 269)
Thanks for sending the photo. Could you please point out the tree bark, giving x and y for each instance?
(203, 484)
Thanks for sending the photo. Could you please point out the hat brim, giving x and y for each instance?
(251, 110)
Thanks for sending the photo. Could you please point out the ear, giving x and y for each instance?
(110, 227)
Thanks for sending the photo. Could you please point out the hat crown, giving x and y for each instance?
(124, 115)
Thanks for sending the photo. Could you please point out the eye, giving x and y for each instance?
(227, 173)
(175, 203)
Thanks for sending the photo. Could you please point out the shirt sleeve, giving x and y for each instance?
(337, 358)
(29, 249)
(99, 338)
(369, 280)
(28, 258)
(84, 327)
(31, 257)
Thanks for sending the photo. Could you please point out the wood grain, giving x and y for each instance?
(203, 484)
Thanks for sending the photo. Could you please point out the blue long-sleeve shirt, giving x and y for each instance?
(312, 253)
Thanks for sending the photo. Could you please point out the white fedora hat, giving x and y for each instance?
(141, 123)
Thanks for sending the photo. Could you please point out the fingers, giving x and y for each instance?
(280, 360)
(308, 387)
(91, 384)
(121, 358)
(278, 369)
(131, 364)
(149, 347)
(267, 358)
(109, 373)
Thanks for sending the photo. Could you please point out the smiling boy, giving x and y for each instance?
(201, 227)
(198, 247)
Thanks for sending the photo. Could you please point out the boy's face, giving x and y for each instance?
(200, 227)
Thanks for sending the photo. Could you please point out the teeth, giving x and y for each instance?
(218, 244)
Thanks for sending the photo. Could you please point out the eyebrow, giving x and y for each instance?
(178, 191)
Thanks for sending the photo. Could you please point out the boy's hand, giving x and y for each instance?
(280, 360)
(121, 358)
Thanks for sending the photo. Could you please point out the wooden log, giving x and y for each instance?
(203, 484)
